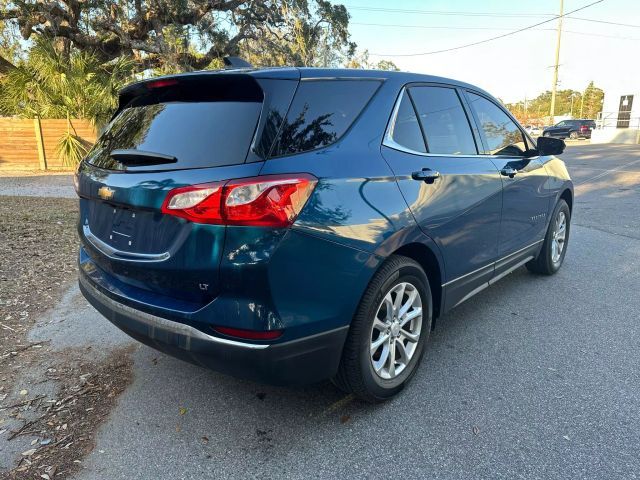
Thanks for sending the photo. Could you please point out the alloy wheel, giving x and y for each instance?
(396, 330)
(559, 236)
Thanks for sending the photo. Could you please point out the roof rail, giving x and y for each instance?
(236, 62)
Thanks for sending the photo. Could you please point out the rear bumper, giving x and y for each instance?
(306, 360)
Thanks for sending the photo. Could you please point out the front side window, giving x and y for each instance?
(502, 135)
(443, 120)
(321, 112)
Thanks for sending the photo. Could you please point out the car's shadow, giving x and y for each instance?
(219, 405)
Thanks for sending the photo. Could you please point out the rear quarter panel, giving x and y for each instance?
(355, 217)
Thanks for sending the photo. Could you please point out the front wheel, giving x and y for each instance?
(388, 332)
(554, 248)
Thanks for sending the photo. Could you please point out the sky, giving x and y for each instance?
(514, 67)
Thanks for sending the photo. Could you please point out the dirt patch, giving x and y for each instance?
(64, 427)
(38, 247)
(53, 400)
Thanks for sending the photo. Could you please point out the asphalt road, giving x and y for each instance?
(536, 377)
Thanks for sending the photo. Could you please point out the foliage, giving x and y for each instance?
(169, 36)
(54, 84)
(306, 37)
(71, 148)
(361, 60)
(569, 102)
(593, 100)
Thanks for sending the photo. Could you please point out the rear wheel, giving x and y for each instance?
(573, 135)
(554, 248)
(388, 332)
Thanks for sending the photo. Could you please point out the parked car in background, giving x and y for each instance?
(294, 225)
(572, 129)
(533, 130)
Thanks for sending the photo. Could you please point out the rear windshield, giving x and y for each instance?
(321, 112)
(198, 130)
(197, 134)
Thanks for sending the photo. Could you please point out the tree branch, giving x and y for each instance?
(6, 66)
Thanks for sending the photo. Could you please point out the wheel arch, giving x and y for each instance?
(567, 196)
(431, 265)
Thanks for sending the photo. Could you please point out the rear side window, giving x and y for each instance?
(321, 112)
(406, 129)
(444, 122)
(502, 135)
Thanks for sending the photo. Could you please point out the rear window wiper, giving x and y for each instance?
(136, 158)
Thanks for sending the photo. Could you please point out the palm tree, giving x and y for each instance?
(54, 83)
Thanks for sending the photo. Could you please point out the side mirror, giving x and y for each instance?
(550, 146)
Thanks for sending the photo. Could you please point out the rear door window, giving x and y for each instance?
(321, 112)
(502, 135)
(406, 129)
(444, 122)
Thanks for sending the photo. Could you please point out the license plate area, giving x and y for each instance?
(122, 235)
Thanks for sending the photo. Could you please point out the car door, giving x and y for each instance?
(568, 127)
(525, 200)
(454, 193)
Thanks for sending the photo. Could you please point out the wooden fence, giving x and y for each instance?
(30, 144)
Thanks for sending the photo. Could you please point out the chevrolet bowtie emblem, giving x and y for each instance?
(105, 193)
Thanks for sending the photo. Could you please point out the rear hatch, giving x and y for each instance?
(167, 133)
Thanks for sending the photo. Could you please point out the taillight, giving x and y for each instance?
(267, 201)
(197, 203)
(583, 128)
(249, 334)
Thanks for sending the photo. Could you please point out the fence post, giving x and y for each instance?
(42, 157)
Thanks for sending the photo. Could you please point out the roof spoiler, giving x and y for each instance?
(235, 62)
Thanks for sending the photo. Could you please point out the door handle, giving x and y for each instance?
(508, 172)
(426, 175)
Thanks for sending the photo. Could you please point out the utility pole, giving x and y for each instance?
(555, 67)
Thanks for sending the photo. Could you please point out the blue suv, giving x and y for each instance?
(293, 225)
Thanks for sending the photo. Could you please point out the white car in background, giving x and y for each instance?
(533, 131)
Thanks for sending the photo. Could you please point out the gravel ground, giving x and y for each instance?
(57, 185)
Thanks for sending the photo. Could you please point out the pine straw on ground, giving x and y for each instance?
(38, 250)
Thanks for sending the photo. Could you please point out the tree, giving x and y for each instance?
(298, 41)
(593, 100)
(170, 35)
(361, 60)
(52, 84)
(569, 102)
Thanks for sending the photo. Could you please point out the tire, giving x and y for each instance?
(573, 135)
(357, 373)
(548, 261)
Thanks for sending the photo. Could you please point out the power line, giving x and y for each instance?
(487, 39)
(456, 13)
(604, 21)
(439, 27)
(427, 27)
